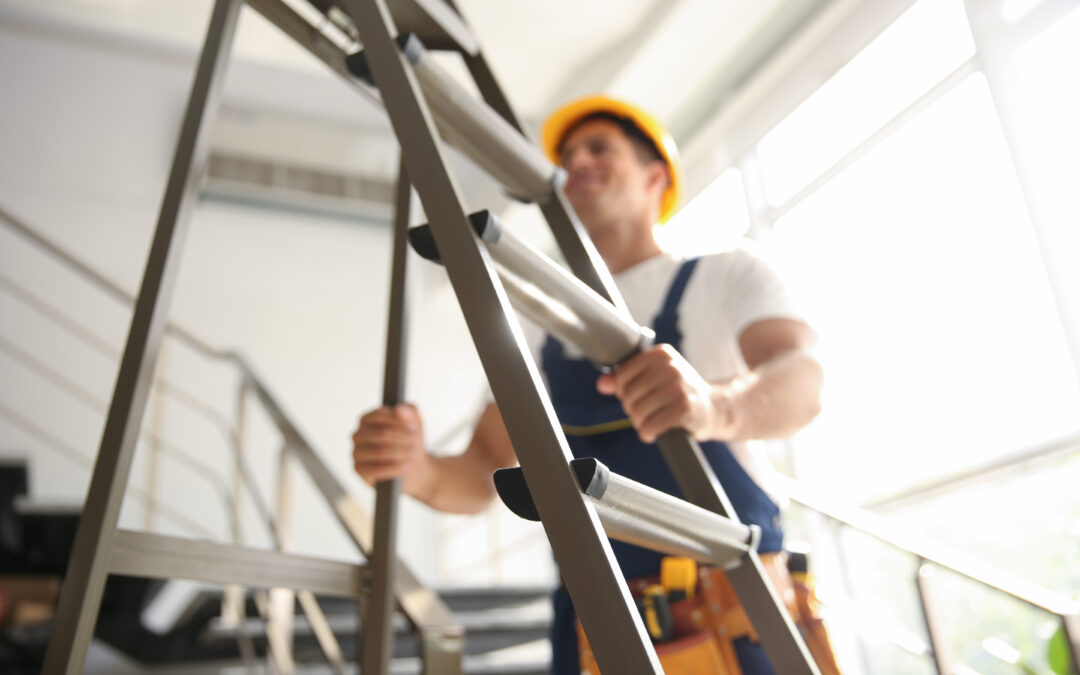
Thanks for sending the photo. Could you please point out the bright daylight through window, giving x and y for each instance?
(923, 201)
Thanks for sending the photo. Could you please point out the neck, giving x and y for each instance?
(622, 247)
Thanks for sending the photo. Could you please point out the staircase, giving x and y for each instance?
(36, 543)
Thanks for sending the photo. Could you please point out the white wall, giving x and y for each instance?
(88, 134)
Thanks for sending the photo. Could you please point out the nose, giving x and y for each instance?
(574, 158)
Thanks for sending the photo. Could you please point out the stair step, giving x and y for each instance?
(485, 631)
(14, 480)
(47, 532)
(464, 599)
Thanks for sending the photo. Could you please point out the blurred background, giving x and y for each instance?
(911, 167)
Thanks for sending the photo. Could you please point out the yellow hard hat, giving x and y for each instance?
(563, 119)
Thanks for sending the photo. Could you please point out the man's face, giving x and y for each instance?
(607, 181)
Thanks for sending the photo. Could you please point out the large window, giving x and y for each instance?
(924, 203)
(919, 267)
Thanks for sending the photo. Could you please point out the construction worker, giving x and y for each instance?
(732, 360)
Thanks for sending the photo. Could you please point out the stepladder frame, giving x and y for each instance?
(84, 583)
(591, 574)
(502, 351)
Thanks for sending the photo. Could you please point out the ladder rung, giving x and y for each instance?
(641, 515)
(549, 295)
(473, 127)
(434, 21)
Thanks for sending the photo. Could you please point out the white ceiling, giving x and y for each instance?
(678, 58)
(661, 53)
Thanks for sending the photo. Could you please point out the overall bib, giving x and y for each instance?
(596, 426)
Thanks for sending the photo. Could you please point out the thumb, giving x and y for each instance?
(605, 384)
(407, 413)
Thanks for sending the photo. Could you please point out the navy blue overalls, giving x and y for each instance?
(596, 426)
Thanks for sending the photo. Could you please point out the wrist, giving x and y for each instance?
(726, 411)
(419, 482)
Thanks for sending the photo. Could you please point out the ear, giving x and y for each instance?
(657, 174)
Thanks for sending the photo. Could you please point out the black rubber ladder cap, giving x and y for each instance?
(410, 46)
(592, 477)
(486, 225)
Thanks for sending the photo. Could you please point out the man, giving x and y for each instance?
(732, 360)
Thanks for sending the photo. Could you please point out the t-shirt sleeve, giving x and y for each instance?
(756, 291)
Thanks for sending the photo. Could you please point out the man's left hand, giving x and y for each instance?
(660, 390)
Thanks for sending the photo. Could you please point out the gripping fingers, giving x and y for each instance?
(376, 472)
(385, 442)
(375, 452)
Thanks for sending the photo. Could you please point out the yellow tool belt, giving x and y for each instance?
(707, 624)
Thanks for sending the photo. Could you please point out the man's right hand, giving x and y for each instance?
(389, 443)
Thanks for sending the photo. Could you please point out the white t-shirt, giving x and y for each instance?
(727, 292)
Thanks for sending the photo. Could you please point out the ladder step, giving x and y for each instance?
(435, 21)
(472, 127)
(548, 294)
(638, 514)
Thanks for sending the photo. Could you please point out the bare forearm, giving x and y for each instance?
(455, 484)
(775, 400)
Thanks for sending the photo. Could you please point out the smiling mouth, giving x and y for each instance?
(580, 183)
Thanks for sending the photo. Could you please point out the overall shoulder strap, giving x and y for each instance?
(665, 323)
(678, 286)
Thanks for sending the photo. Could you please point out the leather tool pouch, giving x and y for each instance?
(707, 625)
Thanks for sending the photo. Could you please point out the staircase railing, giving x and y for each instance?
(931, 556)
(166, 557)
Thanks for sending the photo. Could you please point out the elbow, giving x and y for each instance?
(474, 501)
(815, 387)
(483, 501)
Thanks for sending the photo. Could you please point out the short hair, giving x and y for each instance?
(648, 151)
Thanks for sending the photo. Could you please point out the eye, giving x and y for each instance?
(599, 146)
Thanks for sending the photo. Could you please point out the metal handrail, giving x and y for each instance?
(1042, 453)
(76, 456)
(105, 349)
(100, 280)
(1064, 608)
(308, 604)
(422, 606)
(200, 468)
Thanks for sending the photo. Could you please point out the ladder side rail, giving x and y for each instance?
(585, 556)
(84, 584)
(377, 628)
